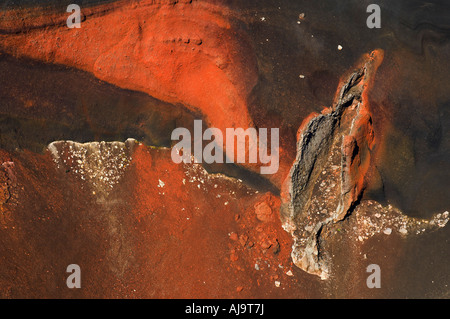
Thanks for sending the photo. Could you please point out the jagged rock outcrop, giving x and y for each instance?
(329, 175)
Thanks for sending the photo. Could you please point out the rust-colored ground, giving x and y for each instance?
(176, 231)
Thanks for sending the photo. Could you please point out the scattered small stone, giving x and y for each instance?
(233, 236)
(276, 247)
(243, 239)
(277, 283)
(266, 245)
(387, 231)
(289, 273)
(339, 47)
(263, 212)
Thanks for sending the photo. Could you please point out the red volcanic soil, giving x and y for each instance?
(164, 231)
(187, 52)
